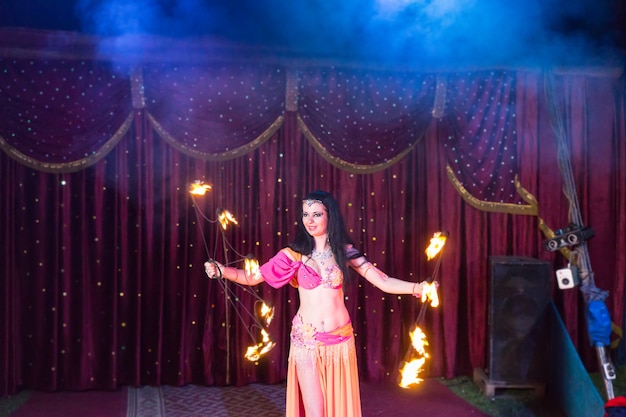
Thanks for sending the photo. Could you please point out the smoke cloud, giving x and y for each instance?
(412, 32)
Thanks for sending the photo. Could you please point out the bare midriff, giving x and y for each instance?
(323, 308)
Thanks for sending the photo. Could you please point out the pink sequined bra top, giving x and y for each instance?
(281, 270)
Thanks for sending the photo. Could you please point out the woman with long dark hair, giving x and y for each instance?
(322, 377)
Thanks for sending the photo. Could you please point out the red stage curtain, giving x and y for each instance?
(103, 282)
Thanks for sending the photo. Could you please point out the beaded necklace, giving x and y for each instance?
(320, 257)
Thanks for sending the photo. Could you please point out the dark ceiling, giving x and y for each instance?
(468, 30)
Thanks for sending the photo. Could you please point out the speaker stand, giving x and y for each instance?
(489, 387)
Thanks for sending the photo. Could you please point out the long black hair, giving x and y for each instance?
(338, 236)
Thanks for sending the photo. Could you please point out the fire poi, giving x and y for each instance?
(416, 355)
(257, 321)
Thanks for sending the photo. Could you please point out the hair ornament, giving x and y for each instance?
(309, 203)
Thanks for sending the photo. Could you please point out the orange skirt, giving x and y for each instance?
(336, 367)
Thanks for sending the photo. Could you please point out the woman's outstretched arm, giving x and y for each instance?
(384, 282)
(215, 269)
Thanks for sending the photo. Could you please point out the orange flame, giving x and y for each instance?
(429, 292)
(411, 369)
(199, 188)
(266, 314)
(255, 352)
(436, 245)
(251, 266)
(226, 218)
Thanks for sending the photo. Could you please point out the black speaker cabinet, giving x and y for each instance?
(519, 322)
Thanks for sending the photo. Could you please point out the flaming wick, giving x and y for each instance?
(225, 218)
(198, 187)
(251, 266)
(437, 242)
(255, 352)
(264, 312)
(429, 292)
(411, 369)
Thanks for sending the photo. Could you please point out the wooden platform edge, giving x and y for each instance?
(488, 387)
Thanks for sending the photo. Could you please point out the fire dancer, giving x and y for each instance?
(322, 377)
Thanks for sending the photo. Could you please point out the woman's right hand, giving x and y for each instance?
(213, 269)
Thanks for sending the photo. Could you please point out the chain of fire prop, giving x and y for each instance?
(263, 313)
(416, 355)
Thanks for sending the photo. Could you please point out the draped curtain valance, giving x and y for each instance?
(62, 115)
(214, 112)
(66, 100)
(480, 130)
(364, 121)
